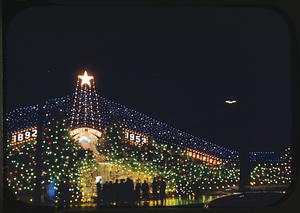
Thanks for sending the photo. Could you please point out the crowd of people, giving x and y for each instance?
(125, 192)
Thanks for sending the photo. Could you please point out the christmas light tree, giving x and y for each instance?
(85, 109)
(60, 158)
(273, 173)
(19, 151)
(20, 165)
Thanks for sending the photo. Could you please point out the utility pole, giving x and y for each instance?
(236, 114)
(244, 170)
(38, 152)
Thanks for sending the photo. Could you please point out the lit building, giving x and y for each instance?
(84, 136)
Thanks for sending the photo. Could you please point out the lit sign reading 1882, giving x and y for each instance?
(135, 137)
(24, 135)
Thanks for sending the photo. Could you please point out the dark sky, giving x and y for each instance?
(177, 65)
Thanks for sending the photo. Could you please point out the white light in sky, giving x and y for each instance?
(230, 101)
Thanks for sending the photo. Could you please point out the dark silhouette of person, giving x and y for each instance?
(116, 195)
(125, 192)
(155, 186)
(109, 192)
(137, 190)
(145, 190)
(130, 191)
(105, 193)
(122, 192)
(99, 193)
(65, 195)
(162, 191)
(197, 190)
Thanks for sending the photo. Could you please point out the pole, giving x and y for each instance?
(38, 151)
(244, 171)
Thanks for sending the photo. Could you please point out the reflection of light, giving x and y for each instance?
(98, 179)
(51, 188)
(84, 139)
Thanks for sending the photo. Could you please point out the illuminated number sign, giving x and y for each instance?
(23, 136)
(135, 137)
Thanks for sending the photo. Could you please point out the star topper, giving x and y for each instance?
(85, 78)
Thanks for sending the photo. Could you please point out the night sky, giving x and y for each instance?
(177, 65)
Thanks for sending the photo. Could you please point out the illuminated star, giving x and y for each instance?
(85, 78)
